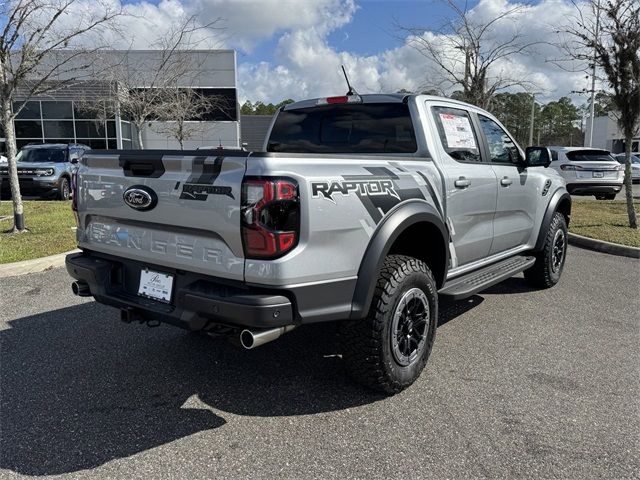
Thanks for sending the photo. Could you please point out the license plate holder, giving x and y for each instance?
(598, 174)
(155, 285)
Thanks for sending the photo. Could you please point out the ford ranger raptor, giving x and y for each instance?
(362, 209)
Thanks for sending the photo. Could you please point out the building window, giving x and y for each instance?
(58, 128)
(30, 111)
(95, 144)
(64, 122)
(226, 104)
(126, 129)
(89, 128)
(57, 110)
(111, 129)
(28, 129)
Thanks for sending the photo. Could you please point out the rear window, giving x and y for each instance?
(590, 156)
(345, 128)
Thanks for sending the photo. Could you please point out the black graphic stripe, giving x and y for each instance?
(204, 172)
(383, 203)
(432, 193)
(200, 183)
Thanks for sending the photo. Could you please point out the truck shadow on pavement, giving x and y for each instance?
(80, 388)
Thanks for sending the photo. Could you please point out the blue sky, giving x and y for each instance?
(372, 29)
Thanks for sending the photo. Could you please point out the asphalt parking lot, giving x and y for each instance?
(521, 384)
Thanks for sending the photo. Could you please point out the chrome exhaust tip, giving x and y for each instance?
(250, 339)
(81, 289)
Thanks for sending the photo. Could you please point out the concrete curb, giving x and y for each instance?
(33, 266)
(604, 247)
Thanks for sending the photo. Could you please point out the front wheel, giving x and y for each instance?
(64, 191)
(388, 350)
(545, 273)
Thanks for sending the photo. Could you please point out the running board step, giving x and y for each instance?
(478, 280)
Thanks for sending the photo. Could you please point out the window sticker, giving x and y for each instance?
(458, 132)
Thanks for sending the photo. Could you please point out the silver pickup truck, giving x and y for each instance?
(362, 209)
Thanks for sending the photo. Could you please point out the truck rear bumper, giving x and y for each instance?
(197, 300)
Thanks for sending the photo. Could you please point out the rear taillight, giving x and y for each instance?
(270, 217)
(74, 197)
(567, 166)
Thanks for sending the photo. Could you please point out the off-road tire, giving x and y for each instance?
(367, 344)
(64, 189)
(544, 273)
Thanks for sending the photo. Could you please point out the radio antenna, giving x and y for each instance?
(351, 89)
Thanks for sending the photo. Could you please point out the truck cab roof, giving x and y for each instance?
(373, 98)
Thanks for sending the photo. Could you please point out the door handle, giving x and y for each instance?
(506, 181)
(462, 182)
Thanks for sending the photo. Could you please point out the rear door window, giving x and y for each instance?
(457, 135)
(344, 128)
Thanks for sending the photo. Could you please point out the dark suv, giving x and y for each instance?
(44, 170)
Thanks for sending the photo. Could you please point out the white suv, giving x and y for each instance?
(635, 165)
(588, 171)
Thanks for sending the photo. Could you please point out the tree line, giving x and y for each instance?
(260, 108)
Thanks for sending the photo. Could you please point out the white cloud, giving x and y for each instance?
(306, 65)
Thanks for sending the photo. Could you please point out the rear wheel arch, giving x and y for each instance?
(560, 202)
(414, 228)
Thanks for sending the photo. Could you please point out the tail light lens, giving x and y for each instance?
(74, 196)
(567, 166)
(270, 217)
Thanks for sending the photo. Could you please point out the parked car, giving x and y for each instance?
(635, 165)
(362, 209)
(588, 171)
(44, 170)
(3, 160)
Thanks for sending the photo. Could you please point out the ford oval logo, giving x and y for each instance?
(140, 197)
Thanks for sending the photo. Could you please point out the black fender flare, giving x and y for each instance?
(390, 228)
(557, 198)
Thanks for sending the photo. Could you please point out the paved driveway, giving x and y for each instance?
(521, 384)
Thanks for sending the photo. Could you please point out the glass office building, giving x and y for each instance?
(73, 113)
(66, 121)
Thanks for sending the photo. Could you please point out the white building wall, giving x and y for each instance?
(206, 134)
(608, 136)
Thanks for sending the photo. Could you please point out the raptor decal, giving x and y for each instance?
(199, 185)
(358, 187)
(378, 192)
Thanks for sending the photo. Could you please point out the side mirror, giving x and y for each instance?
(537, 157)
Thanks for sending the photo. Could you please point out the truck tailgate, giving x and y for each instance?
(193, 219)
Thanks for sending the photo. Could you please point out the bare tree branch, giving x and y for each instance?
(466, 52)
